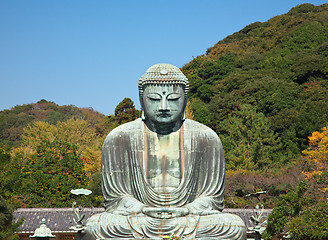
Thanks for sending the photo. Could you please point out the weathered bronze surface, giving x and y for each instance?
(163, 175)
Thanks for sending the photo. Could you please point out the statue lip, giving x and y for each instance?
(164, 115)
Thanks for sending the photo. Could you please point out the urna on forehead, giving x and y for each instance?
(163, 74)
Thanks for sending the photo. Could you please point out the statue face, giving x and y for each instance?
(163, 103)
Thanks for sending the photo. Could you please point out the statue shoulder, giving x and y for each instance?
(125, 129)
(197, 127)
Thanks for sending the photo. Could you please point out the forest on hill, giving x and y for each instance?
(262, 89)
(46, 150)
(276, 71)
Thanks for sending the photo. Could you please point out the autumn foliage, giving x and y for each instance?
(316, 155)
(53, 157)
(50, 173)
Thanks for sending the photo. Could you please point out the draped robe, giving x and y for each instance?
(124, 172)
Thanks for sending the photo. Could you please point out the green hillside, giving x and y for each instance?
(270, 79)
(14, 120)
(264, 91)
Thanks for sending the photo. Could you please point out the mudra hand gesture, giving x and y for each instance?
(165, 213)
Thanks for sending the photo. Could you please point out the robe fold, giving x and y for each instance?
(124, 172)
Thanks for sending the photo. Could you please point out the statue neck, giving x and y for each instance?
(163, 128)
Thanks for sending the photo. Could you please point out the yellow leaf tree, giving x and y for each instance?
(316, 155)
(75, 131)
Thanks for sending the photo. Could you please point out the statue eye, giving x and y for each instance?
(173, 96)
(154, 96)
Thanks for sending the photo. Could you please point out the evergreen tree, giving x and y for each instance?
(248, 140)
(125, 111)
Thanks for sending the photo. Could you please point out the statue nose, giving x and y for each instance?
(164, 105)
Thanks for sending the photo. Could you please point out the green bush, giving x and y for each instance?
(287, 207)
(311, 224)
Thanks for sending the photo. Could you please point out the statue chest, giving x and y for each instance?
(163, 161)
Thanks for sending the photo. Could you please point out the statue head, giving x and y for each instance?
(163, 91)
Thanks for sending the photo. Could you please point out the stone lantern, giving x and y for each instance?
(42, 233)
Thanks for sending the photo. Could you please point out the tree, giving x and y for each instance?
(303, 212)
(278, 66)
(75, 131)
(11, 183)
(7, 226)
(312, 224)
(200, 111)
(248, 140)
(287, 207)
(316, 155)
(189, 112)
(313, 114)
(125, 111)
(36, 133)
(50, 173)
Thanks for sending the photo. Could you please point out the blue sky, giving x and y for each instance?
(92, 53)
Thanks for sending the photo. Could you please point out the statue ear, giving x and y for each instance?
(183, 115)
(141, 100)
(143, 117)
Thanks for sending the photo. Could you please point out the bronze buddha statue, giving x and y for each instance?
(162, 174)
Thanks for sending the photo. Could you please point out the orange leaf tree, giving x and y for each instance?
(316, 155)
